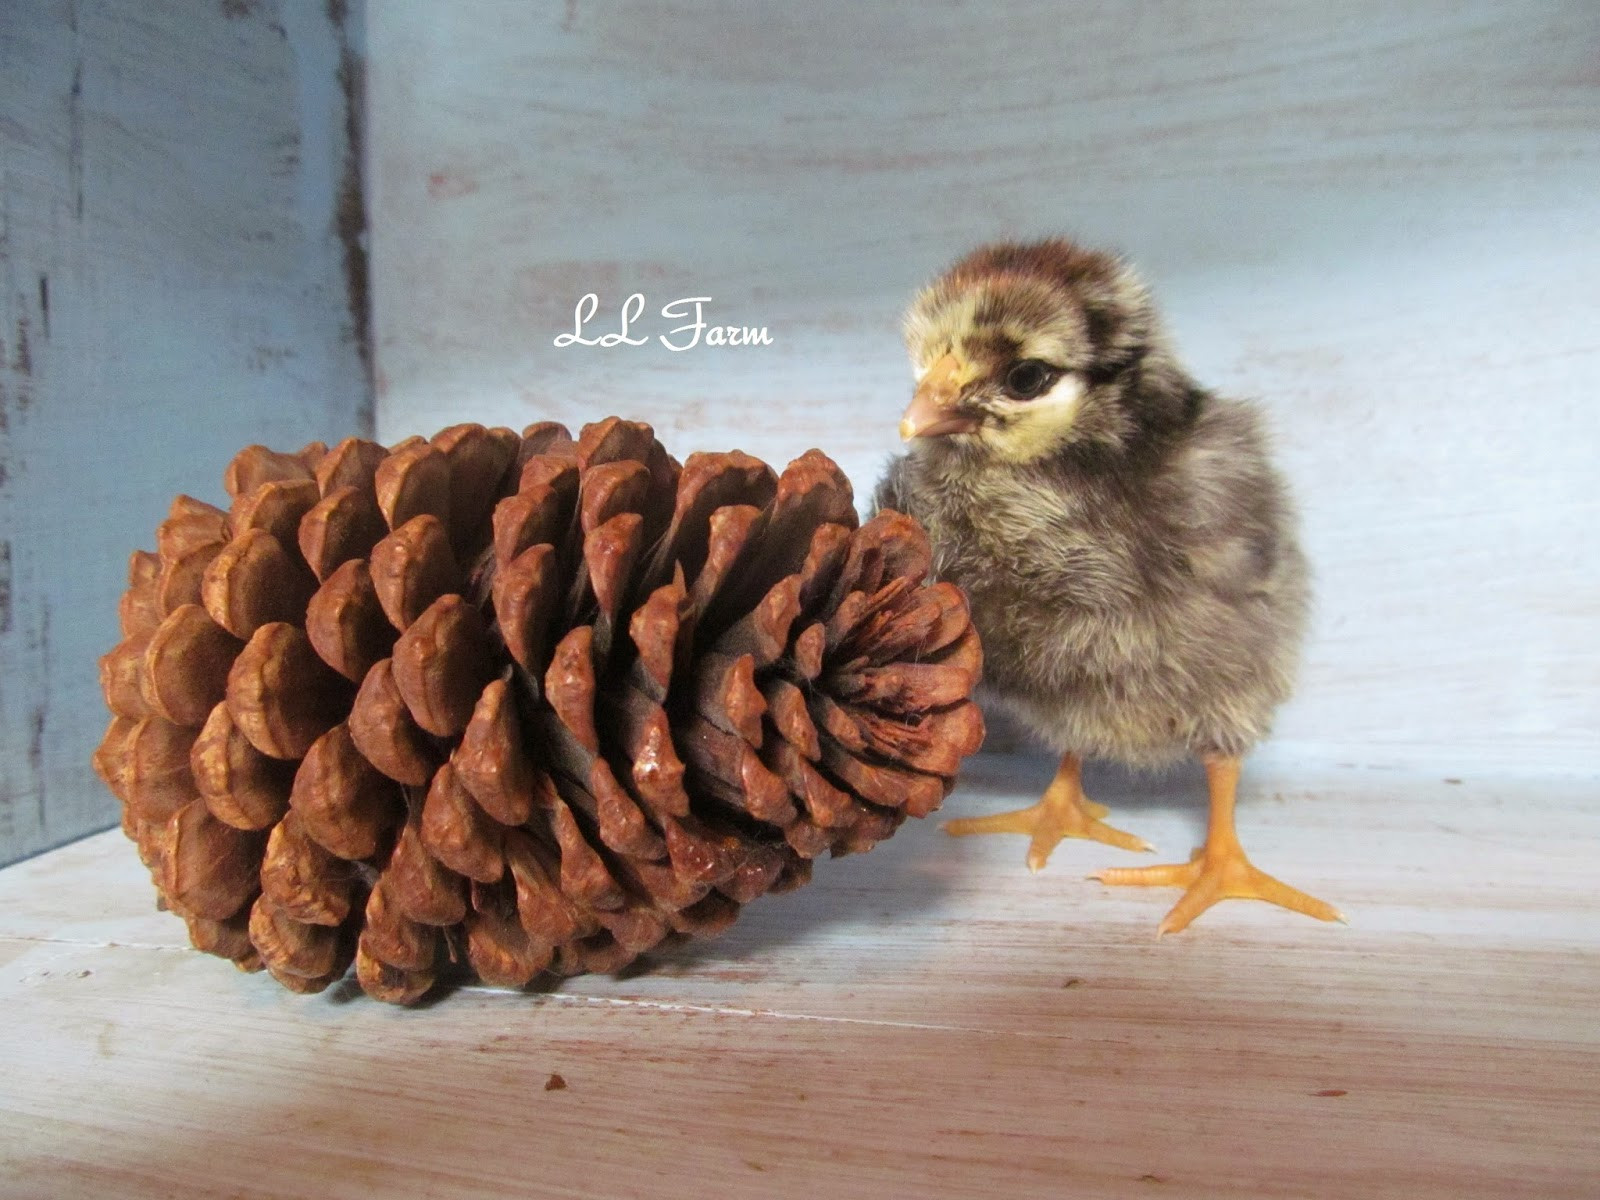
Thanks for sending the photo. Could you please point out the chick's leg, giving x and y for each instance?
(1219, 869)
(1063, 812)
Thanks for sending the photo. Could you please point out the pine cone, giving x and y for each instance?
(518, 703)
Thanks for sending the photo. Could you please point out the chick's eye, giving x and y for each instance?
(1028, 378)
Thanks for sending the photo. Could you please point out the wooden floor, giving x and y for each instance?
(928, 1020)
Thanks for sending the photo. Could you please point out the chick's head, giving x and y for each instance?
(1021, 350)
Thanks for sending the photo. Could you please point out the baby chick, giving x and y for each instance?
(1126, 545)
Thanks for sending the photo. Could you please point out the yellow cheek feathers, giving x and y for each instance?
(932, 411)
(1041, 425)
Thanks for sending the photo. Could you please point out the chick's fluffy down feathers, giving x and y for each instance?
(1138, 588)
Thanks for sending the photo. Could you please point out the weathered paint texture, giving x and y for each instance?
(928, 1020)
(179, 276)
(1379, 219)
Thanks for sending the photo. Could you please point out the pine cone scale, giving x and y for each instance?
(241, 786)
(346, 623)
(345, 804)
(186, 663)
(492, 762)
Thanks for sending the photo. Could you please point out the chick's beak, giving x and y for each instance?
(932, 411)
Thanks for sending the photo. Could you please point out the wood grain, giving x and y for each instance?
(927, 1019)
(1375, 218)
(172, 286)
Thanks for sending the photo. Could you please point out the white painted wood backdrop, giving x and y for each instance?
(1380, 219)
(172, 286)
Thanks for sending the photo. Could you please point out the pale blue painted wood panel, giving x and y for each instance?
(174, 286)
(1379, 219)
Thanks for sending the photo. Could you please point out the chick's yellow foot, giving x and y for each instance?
(1063, 812)
(1209, 877)
(1218, 870)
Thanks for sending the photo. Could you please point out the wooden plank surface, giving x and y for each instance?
(1376, 218)
(925, 1020)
